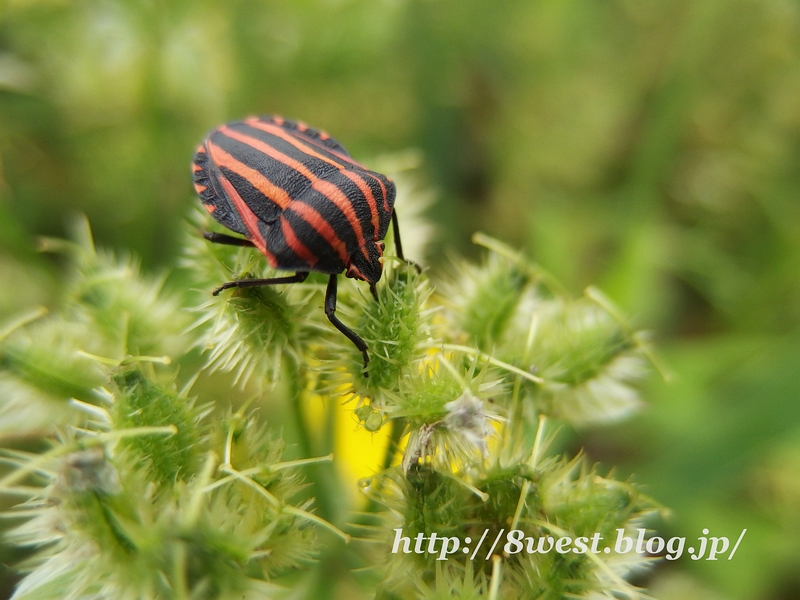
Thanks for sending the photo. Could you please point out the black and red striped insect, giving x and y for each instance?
(295, 194)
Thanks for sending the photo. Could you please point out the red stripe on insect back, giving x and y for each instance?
(321, 226)
(311, 141)
(307, 149)
(373, 206)
(302, 145)
(250, 220)
(333, 151)
(298, 247)
(327, 189)
(342, 202)
(383, 192)
(257, 180)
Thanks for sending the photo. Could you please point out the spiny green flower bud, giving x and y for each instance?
(441, 406)
(588, 362)
(245, 330)
(555, 499)
(485, 298)
(393, 327)
(221, 532)
(141, 402)
(128, 311)
(45, 356)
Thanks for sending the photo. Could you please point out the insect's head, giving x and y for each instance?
(366, 263)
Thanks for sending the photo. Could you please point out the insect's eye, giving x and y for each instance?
(382, 246)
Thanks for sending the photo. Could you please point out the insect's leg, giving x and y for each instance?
(374, 291)
(245, 283)
(330, 310)
(398, 245)
(228, 240)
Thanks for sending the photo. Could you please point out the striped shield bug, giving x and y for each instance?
(295, 194)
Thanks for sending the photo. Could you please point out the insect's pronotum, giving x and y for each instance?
(295, 194)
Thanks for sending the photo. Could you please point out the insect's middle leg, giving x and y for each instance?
(245, 283)
(330, 310)
(229, 240)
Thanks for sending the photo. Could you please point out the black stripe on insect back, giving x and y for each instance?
(317, 158)
(328, 148)
(263, 207)
(281, 249)
(357, 201)
(326, 256)
(253, 154)
(286, 170)
(306, 179)
(357, 183)
(318, 167)
(299, 128)
(205, 176)
(383, 190)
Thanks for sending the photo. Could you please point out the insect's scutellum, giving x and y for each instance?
(295, 194)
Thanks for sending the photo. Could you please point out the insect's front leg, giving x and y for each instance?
(228, 240)
(399, 245)
(245, 283)
(330, 310)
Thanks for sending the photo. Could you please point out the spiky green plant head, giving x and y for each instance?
(575, 341)
(392, 327)
(245, 330)
(578, 499)
(484, 298)
(424, 395)
(143, 402)
(447, 580)
(128, 311)
(588, 360)
(544, 502)
(249, 444)
(44, 356)
(108, 528)
(426, 500)
(454, 581)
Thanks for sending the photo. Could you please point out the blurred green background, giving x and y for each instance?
(650, 148)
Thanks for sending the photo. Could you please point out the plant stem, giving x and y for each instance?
(321, 475)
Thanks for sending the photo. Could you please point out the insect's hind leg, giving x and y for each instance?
(245, 283)
(228, 240)
(330, 310)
